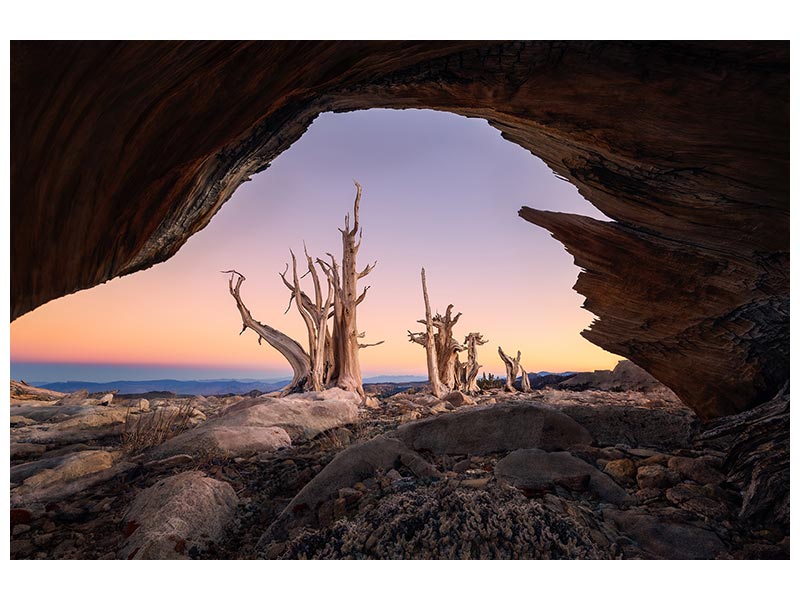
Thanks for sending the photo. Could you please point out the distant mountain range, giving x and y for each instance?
(205, 387)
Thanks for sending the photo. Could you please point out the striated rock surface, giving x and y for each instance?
(710, 322)
(685, 145)
(757, 446)
(50, 479)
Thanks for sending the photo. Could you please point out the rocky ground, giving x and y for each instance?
(550, 474)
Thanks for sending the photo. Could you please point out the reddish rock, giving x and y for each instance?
(20, 516)
(697, 469)
(623, 469)
(458, 399)
(655, 476)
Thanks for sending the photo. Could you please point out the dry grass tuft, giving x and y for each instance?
(147, 430)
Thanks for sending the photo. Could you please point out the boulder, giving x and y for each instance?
(634, 426)
(177, 517)
(662, 539)
(81, 398)
(625, 376)
(222, 441)
(90, 423)
(655, 477)
(23, 450)
(498, 428)
(622, 469)
(457, 399)
(22, 394)
(695, 498)
(352, 465)
(54, 478)
(702, 470)
(76, 398)
(50, 413)
(536, 471)
(303, 416)
(142, 404)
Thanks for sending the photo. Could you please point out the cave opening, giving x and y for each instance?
(683, 145)
(441, 191)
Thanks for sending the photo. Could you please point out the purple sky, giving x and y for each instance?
(440, 191)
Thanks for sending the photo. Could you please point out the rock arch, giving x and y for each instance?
(122, 150)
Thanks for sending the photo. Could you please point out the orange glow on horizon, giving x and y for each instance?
(510, 279)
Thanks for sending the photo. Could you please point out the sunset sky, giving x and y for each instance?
(440, 191)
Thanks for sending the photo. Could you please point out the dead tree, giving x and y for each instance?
(428, 340)
(332, 358)
(447, 348)
(512, 368)
(525, 382)
(298, 358)
(316, 319)
(471, 367)
(447, 372)
(346, 345)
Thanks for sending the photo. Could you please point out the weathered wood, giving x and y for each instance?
(316, 318)
(471, 368)
(428, 340)
(332, 357)
(512, 368)
(298, 358)
(447, 348)
(525, 383)
(346, 372)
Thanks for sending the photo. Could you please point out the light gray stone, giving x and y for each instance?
(176, 514)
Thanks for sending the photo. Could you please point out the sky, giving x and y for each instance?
(440, 191)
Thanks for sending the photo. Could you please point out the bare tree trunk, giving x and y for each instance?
(525, 383)
(461, 375)
(346, 336)
(316, 318)
(298, 359)
(512, 368)
(428, 340)
(471, 368)
(447, 348)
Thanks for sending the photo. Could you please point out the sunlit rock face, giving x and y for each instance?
(121, 151)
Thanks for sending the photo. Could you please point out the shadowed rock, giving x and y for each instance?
(500, 428)
(348, 468)
(625, 376)
(54, 478)
(536, 471)
(663, 539)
